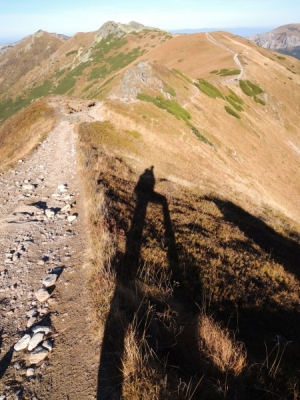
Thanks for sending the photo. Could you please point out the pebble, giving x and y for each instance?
(66, 208)
(28, 187)
(72, 218)
(42, 295)
(38, 355)
(30, 372)
(36, 339)
(49, 213)
(50, 280)
(22, 343)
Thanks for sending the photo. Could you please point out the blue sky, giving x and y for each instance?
(20, 18)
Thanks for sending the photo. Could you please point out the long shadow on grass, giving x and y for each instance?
(284, 251)
(127, 297)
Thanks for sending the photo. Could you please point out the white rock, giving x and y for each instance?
(30, 372)
(28, 187)
(38, 355)
(48, 345)
(49, 213)
(32, 312)
(66, 208)
(39, 328)
(62, 188)
(31, 321)
(49, 280)
(36, 339)
(22, 343)
(42, 295)
(72, 218)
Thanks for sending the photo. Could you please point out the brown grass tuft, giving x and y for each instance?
(220, 348)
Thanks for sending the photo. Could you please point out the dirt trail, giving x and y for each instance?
(235, 58)
(33, 245)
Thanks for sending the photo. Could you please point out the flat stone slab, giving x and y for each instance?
(39, 328)
(22, 343)
(36, 339)
(37, 355)
(28, 187)
(42, 295)
(49, 280)
(66, 208)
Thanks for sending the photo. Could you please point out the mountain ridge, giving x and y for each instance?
(284, 39)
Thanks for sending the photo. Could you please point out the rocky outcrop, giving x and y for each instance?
(135, 80)
(118, 29)
(285, 39)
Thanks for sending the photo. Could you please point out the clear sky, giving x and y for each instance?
(20, 18)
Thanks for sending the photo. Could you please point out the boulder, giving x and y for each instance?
(36, 339)
(22, 343)
(42, 295)
(38, 355)
(50, 280)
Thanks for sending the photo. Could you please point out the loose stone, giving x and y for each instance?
(30, 372)
(40, 328)
(48, 345)
(72, 218)
(38, 355)
(50, 280)
(36, 339)
(22, 343)
(49, 213)
(42, 295)
(31, 321)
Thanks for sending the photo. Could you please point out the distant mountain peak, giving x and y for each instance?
(119, 29)
(284, 39)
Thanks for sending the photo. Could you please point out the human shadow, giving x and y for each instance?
(6, 359)
(126, 301)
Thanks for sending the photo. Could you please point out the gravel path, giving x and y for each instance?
(235, 58)
(42, 231)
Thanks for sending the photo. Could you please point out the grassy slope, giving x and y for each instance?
(195, 255)
(20, 134)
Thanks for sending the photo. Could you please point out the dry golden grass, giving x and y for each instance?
(221, 259)
(219, 348)
(20, 134)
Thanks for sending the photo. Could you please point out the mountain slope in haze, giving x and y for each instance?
(285, 40)
(26, 55)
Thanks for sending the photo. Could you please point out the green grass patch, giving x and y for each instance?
(65, 85)
(134, 134)
(183, 75)
(171, 91)
(199, 135)
(252, 90)
(214, 71)
(171, 106)
(232, 112)
(9, 107)
(235, 97)
(234, 105)
(209, 89)
(71, 52)
(255, 88)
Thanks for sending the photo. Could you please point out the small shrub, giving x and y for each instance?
(199, 135)
(171, 91)
(209, 89)
(255, 89)
(232, 112)
(229, 73)
(183, 75)
(71, 52)
(234, 105)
